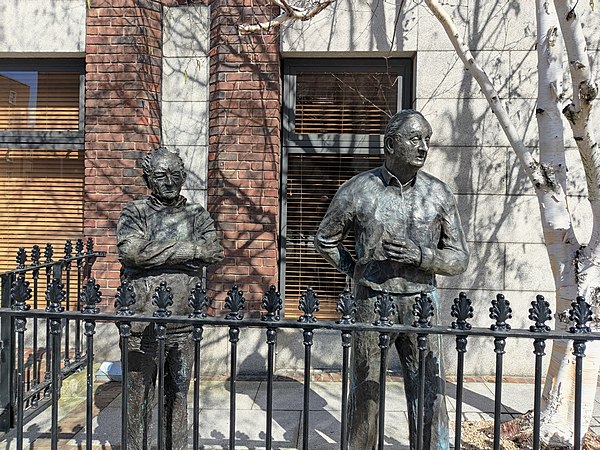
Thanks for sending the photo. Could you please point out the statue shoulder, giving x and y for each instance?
(434, 183)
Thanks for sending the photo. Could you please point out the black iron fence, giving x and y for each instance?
(21, 313)
(70, 269)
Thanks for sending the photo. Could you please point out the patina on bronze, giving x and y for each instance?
(407, 230)
(163, 238)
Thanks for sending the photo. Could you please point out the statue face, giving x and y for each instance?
(410, 146)
(166, 178)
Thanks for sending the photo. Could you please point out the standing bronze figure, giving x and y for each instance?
(407, 230)
(163, 238)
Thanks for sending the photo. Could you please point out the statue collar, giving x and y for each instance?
(155, 203)
(390, 179)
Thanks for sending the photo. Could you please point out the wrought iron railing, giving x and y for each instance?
(270, 321)
(39, 270)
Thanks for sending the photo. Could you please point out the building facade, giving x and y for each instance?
(268, 125)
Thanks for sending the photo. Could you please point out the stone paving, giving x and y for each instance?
(325, 406)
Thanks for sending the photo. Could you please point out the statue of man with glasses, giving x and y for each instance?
(163, 238)
(407, 230)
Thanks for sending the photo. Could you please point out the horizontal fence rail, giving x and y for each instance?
(40, 272)
(234, 321)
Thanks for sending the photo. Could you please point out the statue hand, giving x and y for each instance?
(404, 251)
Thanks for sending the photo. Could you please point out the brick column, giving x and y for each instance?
(244, 151)
(122, 116)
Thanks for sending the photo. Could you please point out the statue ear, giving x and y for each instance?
(147, 181)
(388, 145)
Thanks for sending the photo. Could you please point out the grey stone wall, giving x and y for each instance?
(185, 92)
(32, 27)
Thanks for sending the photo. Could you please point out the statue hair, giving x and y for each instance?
(154, 155)
(398, 119)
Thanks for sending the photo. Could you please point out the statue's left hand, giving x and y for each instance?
(402, 250)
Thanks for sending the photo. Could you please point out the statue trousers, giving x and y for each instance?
(142, 376)
(363, 405)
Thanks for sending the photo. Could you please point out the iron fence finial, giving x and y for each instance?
(385, 307)
(125, 299)
(272, 303)
(500, 311)
(162, 299)
(346, 305)
(90, 296)
(199, 302)
(309, 305)
(461, 310)
(235, 303)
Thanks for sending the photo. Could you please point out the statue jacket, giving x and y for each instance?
(155, 239)
(376, 207)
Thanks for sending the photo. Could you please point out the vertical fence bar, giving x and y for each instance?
(67, 267)
(6, 357)
(162, 299)
(19, 294)
(48, 253)
(540, 313)
(462, 310)
(309, 305)
(272, 303)
(580, 314)
(79, 255)
(90, 296)
(235, 303)
(384, 307)
(347, 307)
(124, 300)
(423, 311)
(35, 367)
(501, 312)
(199, 301)
(55, 294)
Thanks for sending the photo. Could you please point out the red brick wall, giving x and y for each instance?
(122, 116)
(244, 150)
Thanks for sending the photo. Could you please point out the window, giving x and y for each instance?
(41, 154)
(334, 116)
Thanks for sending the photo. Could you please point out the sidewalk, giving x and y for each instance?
(325, 406)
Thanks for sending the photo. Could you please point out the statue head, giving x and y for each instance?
(164, 174)
(406, 141)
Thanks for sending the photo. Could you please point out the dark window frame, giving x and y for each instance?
(293, 143)
(47, 139)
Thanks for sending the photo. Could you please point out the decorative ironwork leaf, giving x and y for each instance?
(540, 313)
(235, 303)
(21, 258)
(423, 310)
(89, 245)
(309, 305)
(54, 295)
(68, 249)
(500, 311)
(79, 247)
(385, 307)
(199, 302)
(48, 253)
(90, 296)
(19, 294)
(461, 310)
(125, 299)
(162, 299)
(272, 303)
(36, 253)
(580, 313)
(346, 305)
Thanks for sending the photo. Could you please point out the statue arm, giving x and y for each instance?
(209, 249)
(135, 250)
(451, 256)
(333, 230)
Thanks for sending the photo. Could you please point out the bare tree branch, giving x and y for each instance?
(291, 12)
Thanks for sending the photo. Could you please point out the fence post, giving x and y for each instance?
(7, 357)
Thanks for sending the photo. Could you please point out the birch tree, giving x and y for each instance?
(561, 46)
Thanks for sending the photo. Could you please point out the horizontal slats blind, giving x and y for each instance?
(344, 103)
(41, 200)
(313, 180)
(39, 101)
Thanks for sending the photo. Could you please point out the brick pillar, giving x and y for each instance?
(122, 116)
(244, 151)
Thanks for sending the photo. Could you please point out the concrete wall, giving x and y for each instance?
(56, 27)
(185, 92)
(498, 207)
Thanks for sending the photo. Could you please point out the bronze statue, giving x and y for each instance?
(162, 238)
(407, 230)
